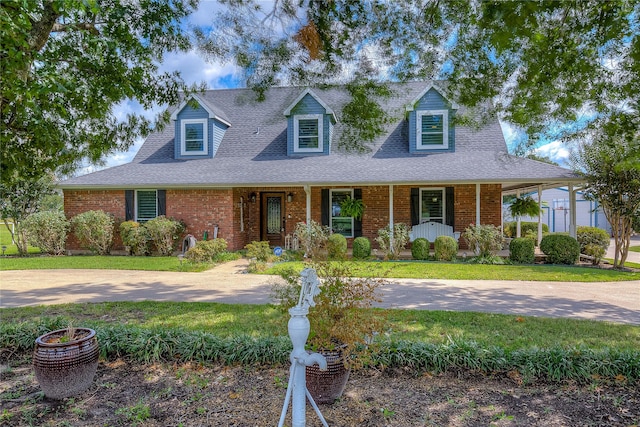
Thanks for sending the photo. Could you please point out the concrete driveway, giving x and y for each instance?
(611, 301)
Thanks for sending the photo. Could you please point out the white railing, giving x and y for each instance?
(431, 230)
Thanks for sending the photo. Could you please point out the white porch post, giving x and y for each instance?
(573, 230)
(539, 214)
(307, 190)
(391, 215)
(518, 219)
(477, 204)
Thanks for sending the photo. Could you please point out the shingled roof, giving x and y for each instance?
(253, 151)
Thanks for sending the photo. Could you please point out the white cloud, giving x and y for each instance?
(556, 151)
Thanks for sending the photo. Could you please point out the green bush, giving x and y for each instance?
(261, 251)
(165, 233)
(420, 249)
(522, 250)
(94, 230)
(337, 247)
(361, 248)
(560, 249)
(206, 250)
(446, 248)
(47, 230)
(510, 229)
(593, 242)
(393, 248)
(484, 240)
(135, 236)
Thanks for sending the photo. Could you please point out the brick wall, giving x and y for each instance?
(203, 209)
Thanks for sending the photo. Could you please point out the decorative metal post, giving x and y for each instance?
(300, 359)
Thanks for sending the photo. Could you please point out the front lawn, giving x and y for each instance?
(464, 271)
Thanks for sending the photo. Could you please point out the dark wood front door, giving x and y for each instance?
(272, 215)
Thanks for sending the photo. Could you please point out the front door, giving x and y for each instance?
(272, 218)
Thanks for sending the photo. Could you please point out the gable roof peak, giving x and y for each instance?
(430, 86)
(310, 92)
(210, 109)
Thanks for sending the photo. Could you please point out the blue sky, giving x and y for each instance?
(194, 69)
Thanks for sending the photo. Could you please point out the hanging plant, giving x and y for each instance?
(524, 206)
(352, 207)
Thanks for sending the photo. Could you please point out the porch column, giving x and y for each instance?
(539, 214)
(391, 215)
(307, 191)
(518, 218)
(573, 230)
(477, 204)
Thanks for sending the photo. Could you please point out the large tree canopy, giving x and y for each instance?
(66, 64)
(542, 63)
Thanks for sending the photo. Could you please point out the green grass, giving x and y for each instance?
(146, 263)
(5, 240)
(260, 321)
(462, 271)
(634, 248)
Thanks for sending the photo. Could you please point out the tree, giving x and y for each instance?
(66, 64)
(609, 163)
(554, 62)
(18, 200)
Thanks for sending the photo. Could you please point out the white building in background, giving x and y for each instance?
(556, 211)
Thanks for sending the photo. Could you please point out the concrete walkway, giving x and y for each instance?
(611, 301)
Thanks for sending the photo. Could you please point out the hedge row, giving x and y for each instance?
(151, 345)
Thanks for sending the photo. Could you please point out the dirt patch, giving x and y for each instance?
(125, 393)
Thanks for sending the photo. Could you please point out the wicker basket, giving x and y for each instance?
(64, 369)
(327, 386)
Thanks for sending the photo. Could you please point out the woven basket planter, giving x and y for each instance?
(64, 369)
(327, 386)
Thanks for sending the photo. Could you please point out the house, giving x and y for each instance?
(556, 211)
(244, 170)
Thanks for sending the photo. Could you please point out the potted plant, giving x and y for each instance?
(65, 361)
(350, 207)
(522, 206)
(343, 326)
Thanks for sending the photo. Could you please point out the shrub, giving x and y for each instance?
(400, 239)
(47, 230)
(560, 249)
(94, 230)
(337, 247)
(593, 241)
(313, 238)
(526, 227)
(135, 236)
(484, 240)
(361, 248)
(420, 249)
(206, 250)
(165, 233)
(522, 250)
(446, 248)
(259, 250)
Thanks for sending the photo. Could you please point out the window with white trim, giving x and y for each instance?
(194, 137)
(432, 206)
(432, 129)
(308, 133)
(146, 205)
(340, 224)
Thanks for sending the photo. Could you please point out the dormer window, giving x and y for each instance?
(432, 129)
(194, 137)
(308, 135)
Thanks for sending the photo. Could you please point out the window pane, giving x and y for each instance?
(146, 204)
(432, 129)
(432, 206)
(340, 224)
(194, 137)
(308, 133)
